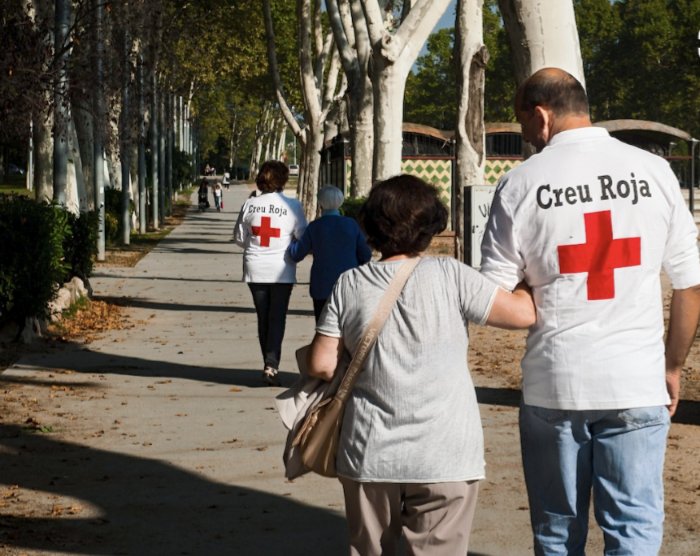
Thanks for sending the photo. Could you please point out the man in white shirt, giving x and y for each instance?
(588, 223)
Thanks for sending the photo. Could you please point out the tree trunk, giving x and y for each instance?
(162, 187)
(393, 56)
(472, 57)
(84, 123)
(142, 169)
(39, 13)
(99, 128)
(542, 34)
(61, 101)
(76, 188)
(281, 136)
(389, 82)
(349, 27)
(124, 142)
(43, 154)
(232, 142)
(312, 169)
(153, 119)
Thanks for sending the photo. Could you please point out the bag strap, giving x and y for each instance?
(386, 305)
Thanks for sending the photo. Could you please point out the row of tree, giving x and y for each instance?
(150, 81)
(138, 87)
(640, 60)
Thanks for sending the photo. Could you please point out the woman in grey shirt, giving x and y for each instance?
(411, 447)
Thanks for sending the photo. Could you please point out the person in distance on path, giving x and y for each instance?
(265, 227)
(337, 245)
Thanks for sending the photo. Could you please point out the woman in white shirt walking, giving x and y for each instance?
(265, 227)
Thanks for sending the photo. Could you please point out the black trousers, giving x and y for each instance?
(271, 302)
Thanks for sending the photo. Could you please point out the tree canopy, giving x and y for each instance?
(640, 61)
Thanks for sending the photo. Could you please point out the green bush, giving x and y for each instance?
(80, 247)
(113, 209)
(182, 169)
(111, 228)
(351, 206)
(32, 236)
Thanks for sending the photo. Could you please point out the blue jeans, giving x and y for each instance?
(616, 454)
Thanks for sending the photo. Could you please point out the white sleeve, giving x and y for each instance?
(240, 232)
(681, 261)
(501, 259)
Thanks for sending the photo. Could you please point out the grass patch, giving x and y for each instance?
(140, 244)
(72, 311)
(14, 185)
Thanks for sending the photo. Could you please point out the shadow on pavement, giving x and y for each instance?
(76, 358)
(164, 510)
(161, 306)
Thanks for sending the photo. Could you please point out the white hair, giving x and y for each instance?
(330, 197)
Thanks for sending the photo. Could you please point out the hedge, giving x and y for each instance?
(41, 247)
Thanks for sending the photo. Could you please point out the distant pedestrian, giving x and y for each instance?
(337, 245)
(265, 227)
(227, 180)
(217, 196)
(203, 195)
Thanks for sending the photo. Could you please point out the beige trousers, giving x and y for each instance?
(435, 518)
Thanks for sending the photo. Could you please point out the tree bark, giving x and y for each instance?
(40, 12)
(142, 147)
(61, 101)
(124, 141)
(153, 122)
(393, 56)
(542, 33)
(99, 128)
(43, 153)
(347, 21)
(472, 57)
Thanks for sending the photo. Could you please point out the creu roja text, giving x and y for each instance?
(632, 189)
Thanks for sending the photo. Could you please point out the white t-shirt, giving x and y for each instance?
(412, 416)
(588, 223)
(265, 228)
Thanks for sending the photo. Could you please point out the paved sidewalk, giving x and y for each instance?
(165, 439)
(162, 440)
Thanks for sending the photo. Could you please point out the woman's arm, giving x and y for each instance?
(299, 248)
(513, 310)
(324, 355)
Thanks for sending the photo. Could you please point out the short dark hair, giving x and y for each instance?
(401, 215)
(272, 176)
(555, 89)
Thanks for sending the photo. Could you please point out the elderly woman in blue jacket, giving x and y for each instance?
(337, 245)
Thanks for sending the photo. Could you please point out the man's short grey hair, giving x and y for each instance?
(330, 197)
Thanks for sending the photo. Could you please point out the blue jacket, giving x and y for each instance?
(337, 244)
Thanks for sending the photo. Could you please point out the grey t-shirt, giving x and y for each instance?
(412, 416)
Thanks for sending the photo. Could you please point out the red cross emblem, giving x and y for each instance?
(600, 255)
(265, 231)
